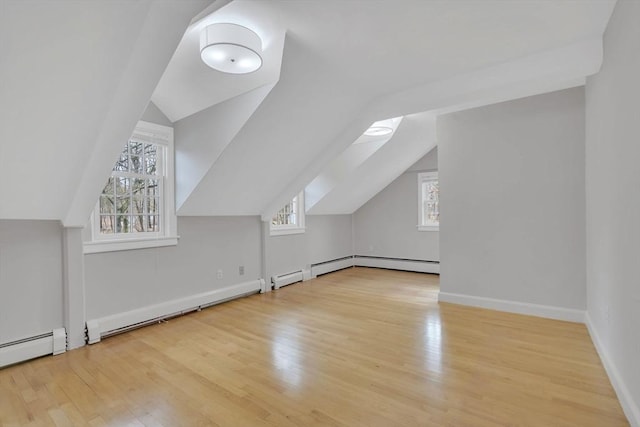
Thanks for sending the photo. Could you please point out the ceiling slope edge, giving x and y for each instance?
(530, 75)
(343, 165)
(415, 137)
(189, 86)
(543, 72)
(201, 138)
(159, 35)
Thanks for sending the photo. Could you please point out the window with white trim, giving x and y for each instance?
(289, 219)
(136, 208)
(428, 202)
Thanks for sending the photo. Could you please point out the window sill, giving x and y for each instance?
(428, 228)
(285, 231)
(126, 245)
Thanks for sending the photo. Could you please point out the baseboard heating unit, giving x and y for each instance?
(122, 322)
(286, 279)
(397, 264)
(331, 266)
(54, 342)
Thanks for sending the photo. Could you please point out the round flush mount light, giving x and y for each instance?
(231, 48)
(378, 131)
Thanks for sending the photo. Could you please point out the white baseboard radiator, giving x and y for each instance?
(331, 266)
(287, 279)
(54, 342)
(122, 322)
(419, 266)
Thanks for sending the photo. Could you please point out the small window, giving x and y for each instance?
(289, 219)
(136, 207)
(428, 202)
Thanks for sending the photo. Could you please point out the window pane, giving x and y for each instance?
(138, 187)
(122, 164)
(107, 224)
(137, 207)
(135, 148)
(123, 205)
(123, 223)
(432, 214)
(150, 150)
(123, 185)
(137, 224)
(107, 205)
(430, 203)
(153, 223)
(150, 159)
(152, 187)
(136, 164)
(153, 206)
(108, 188)
(287, 215)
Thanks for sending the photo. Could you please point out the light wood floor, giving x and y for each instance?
(361, 347)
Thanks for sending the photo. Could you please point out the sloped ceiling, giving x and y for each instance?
(349, 63)
(415, 137)
(189, 86)
(349, 160)
(74, 78)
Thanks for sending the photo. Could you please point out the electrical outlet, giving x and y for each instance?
(241, 270)
(219, 275)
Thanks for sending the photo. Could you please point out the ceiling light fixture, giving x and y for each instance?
(231, 48)
(378, 130)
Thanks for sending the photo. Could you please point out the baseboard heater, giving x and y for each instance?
(286, 279)
(331, 266)
(419, 266)
(122, 322)
(54, 342)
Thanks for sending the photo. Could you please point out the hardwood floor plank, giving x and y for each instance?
(360, 347)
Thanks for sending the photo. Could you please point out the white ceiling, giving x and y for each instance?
(415, 137)
(75, 77)
(348, 63)
(188, 85)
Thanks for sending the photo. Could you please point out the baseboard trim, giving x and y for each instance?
(629, 407)
(547, 311)
(331, 266)
(41, 345)
(97, 328)
(287, 279)
(397, 264)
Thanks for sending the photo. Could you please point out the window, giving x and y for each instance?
(428, 202)
(136, 207)
(289, 219)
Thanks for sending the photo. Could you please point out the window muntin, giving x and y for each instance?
(428, 201)
(130, 201)
(289, 219)
(136, 208)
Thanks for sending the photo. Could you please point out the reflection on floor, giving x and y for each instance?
(360, 347)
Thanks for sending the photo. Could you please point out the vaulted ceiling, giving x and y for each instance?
(245, 144)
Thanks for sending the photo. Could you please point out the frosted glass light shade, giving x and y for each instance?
(383, 127)
(230, 48)
(378, 131)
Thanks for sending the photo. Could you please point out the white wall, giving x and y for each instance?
(386, 226)
(613, 205)
(512, 200)
(30, 278)
(327, 237)
(116, 282)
